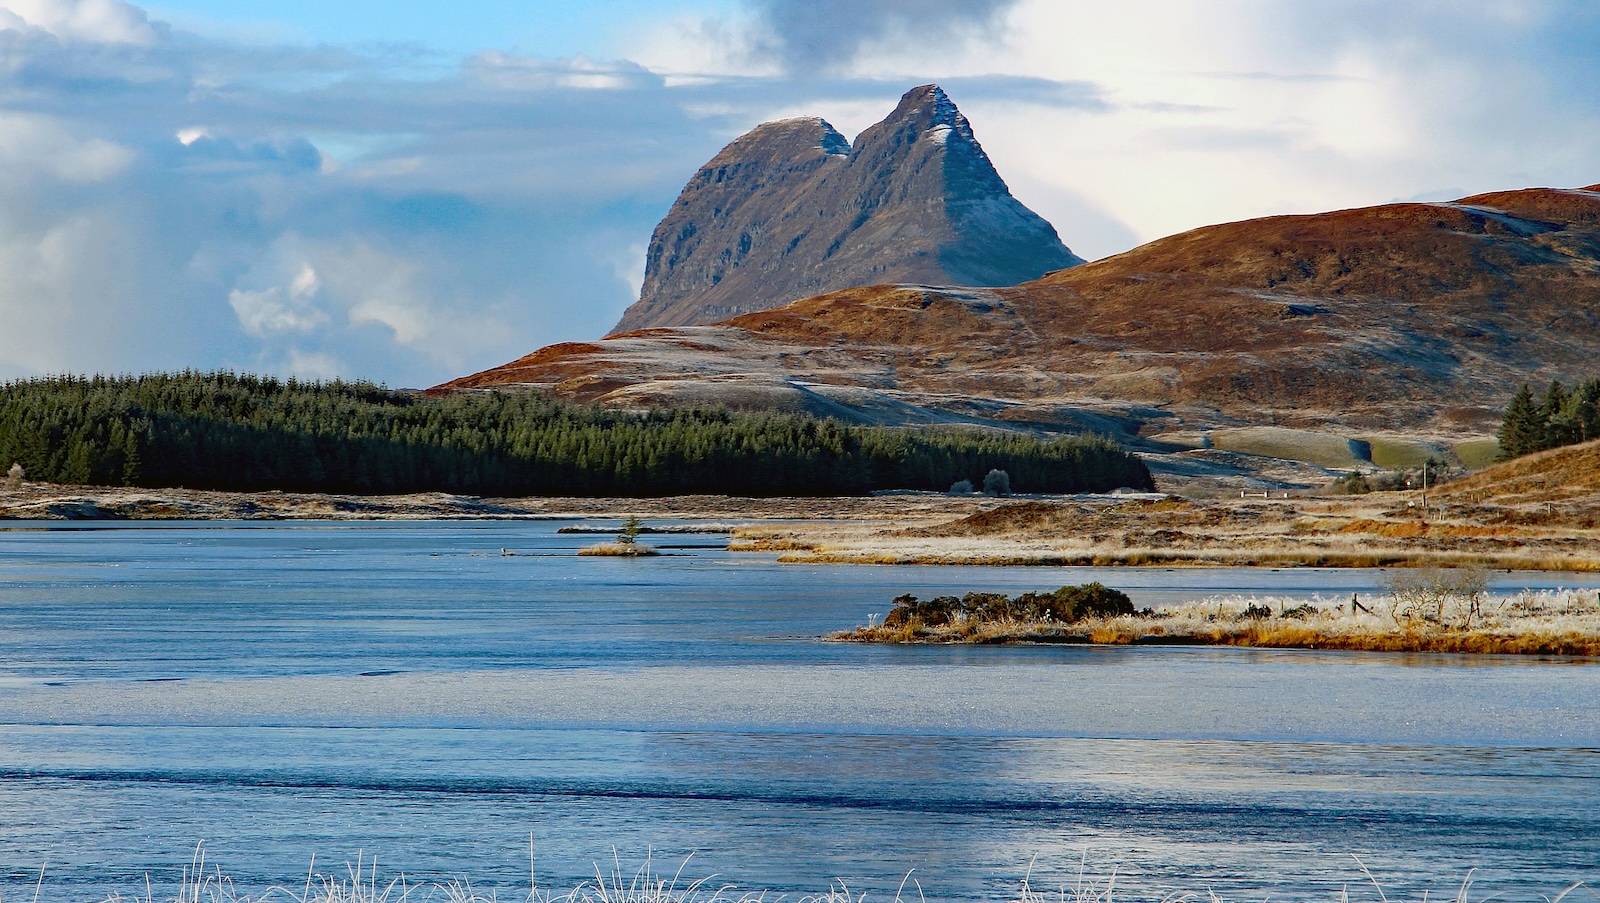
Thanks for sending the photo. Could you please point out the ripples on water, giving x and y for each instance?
(286, 690)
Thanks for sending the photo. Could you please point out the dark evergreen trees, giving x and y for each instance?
(1550, 410)
(1561, 417)
(241, 432)
(1521, 429)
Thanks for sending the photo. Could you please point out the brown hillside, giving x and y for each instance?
(1402, 317)
(1562, 477)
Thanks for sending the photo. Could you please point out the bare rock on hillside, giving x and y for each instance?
(792, 209)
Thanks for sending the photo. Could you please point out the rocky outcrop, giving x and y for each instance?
(792, 209)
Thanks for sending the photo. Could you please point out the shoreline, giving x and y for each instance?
(1561, 623)
(52, 502)
(1377, 530)
(1434, 644)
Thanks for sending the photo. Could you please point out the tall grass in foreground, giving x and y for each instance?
(359, 883)
(201, 882)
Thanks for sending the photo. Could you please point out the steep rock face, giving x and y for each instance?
(1397, 317)
(792, 209)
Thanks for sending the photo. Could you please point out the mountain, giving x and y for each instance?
(792, 209)
(1420, 318)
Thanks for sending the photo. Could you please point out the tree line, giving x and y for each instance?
(1561, 417)
(228, 431)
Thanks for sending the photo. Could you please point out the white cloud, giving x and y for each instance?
(310, 365)
(32, 146)
(412, 296)
(503, 70)
(280, 308)
(75, 296)
(1211, 112)
(164, 205)
(160, 193)
(628, 265)
(1244, 108)
(100, 21)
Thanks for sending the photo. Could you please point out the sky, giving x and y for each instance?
(408, 192)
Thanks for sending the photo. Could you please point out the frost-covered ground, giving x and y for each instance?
(1418, 617)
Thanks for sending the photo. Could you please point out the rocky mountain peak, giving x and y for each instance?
(782, 141)
(792, 209)
(931, 112)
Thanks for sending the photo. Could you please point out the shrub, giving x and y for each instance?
(908, 610)
(1033, 606)
(1067, 604)
(1254, 612)
(960, 487)
(986, 607)
(997, 483)
(1352, 483)
(1090, 600)
(1448, 597)
(14, 477)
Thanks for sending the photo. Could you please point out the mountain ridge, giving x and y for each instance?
(792, 209)
(1400, 317)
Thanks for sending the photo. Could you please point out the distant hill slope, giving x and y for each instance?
(1555, 489)
(793, 209)
(1398, 317)
(1556, 477)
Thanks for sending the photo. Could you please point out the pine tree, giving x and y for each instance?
(1580, 418)
(630, 530)
(231, 431)
(1550, 410)
(1522, 428)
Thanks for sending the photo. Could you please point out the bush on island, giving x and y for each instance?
(1090, 600)
(1066, 605)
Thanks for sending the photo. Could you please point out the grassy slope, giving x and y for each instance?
(1564, 474)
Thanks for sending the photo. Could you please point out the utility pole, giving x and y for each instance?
(1424, 490)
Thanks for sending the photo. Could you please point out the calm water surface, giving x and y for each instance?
(288, 690)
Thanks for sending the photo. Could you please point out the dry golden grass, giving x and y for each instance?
(1544, 623)
(1387, 529)
(619, 549)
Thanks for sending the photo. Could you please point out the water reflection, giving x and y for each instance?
(288, 689)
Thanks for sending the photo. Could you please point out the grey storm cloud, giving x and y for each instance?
(812, 35)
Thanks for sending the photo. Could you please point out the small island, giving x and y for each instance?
(1425, 610)
(626, 545)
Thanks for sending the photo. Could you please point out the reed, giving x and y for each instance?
(358, 882)
(202, 882)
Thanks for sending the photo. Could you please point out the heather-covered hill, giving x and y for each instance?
(1562, 484)
(1417, 318)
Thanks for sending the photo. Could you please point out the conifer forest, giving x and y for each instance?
(227, 431)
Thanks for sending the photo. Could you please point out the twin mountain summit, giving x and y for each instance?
(894, 279)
